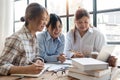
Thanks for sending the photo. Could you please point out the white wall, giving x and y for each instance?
(6, 20)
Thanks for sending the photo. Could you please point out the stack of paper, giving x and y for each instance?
(89, 64)
(95, 73)
(86, 77)
(89, 69)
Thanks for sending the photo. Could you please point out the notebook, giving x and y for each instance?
(33, 75)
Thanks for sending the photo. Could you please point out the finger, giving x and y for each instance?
(38, 65)
(39, 62)
(61, 54)
(62, 61)
(79, 55)
(39, 68)
(63, 58)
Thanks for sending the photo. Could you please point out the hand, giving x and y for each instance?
(62, 58)
(112, 61)
(77, 55)
(36, 67)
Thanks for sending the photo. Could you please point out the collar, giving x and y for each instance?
(27, 33)
(49, 37)
(90, 30)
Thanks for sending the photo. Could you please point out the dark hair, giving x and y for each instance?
(53, 20)
(33, 11)
(78, 15)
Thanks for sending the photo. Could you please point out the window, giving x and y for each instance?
(107, 4)
(74, 4)
(109, 24)
(108, 20)
(42, 2)
(57, 6)
(64, 25)
(19, 11)
(19, 7)
(105, 17)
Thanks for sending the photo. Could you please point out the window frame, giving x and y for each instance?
(67, 16)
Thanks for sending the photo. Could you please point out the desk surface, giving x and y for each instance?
(58, 76)
(49, 76)
(45, 76)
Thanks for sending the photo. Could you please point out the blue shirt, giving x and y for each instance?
(50, 48)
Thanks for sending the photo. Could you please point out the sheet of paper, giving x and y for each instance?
(54, 66)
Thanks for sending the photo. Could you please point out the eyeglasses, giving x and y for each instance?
(61, 71)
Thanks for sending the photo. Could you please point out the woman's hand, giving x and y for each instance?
(36, 67)
(112, 61)
(77, 55)
(61, 58)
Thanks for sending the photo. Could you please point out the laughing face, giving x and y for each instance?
(55, 33)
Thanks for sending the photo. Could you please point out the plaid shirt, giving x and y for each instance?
(20, 49)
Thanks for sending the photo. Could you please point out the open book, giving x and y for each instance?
(33, 75)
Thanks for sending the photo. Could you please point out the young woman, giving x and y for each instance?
(51, 41)
(20, 55)
(84, 38)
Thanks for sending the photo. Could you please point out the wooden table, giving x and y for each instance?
(45, 76)
(58, 76)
